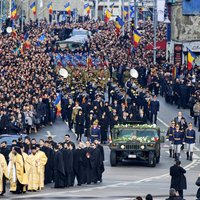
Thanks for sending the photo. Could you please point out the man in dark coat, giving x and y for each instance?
(41, 111)
(101, 159)
(154, 109)
(68, 164)
(95, 163)
(59, 171)
(178, 180)
(87, 153)
(78, 163)
(4, 122)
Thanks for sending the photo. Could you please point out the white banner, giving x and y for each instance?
(161, 10)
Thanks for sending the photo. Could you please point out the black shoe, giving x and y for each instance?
(79, 184)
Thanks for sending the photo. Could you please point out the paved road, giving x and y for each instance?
(128, 179)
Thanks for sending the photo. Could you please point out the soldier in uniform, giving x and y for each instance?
(170, 137)
(95, 132)
(190, 137)
(178, 141)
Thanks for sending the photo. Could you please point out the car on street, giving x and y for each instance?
(135, 142)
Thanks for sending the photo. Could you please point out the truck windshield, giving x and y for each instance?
(138, 133)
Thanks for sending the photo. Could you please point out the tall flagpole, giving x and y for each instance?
(22, 17)
(154, 25)
(135, 14)
(129, 15)
(123, 16)
(96, 9)
(104, 6)
(10, 7)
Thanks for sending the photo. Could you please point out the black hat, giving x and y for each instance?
(18, 150)
(33, 147)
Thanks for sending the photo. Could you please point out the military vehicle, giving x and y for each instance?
(135, 142)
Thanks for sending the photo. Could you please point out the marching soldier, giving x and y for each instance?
(190, 137)
(170, 137)
(178, 140)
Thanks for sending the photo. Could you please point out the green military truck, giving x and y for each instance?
(135, 142)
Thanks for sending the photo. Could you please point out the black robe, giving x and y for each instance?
(49, 165)
(68, 165)
(101, 162)
(59, 171)
(87, 153)
(95, 163)
(78, 165)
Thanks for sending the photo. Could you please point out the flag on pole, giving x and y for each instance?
(191, 57)
(136, 37)
(87, 8)
(13, 10)
(33, 8)
(174, 72)
(27, 44)
(57, 104)
(119, 23)
(125, 12)
(108, 15)
(131, 11)
(50, 7)
(89, 60)
(67, 7)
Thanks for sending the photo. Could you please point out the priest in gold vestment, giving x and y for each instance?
(16, 171)
(3, 174)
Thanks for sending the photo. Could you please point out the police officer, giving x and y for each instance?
(178, 140)
(170, 137)
(190, 137)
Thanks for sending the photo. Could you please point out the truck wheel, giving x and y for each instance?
(152, 160)
(113, 158)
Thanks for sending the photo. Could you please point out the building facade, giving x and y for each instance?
(185, 34)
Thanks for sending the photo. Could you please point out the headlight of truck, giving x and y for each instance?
(122, 146)
(142, 146)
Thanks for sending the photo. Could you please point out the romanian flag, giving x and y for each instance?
(50, 7)
(125, 12)
(174, 72)
(112, 7)
(57, 104)
(108, 15)
(27, 44)
(33, 8)
(136, 37)
(13, 10)
(87, 8)
(191, 57)
(67, 7)
(89, 61)
(119, 23)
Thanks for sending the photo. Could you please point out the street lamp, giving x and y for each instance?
(155, 27)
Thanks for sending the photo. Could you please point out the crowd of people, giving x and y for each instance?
(31, 164)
